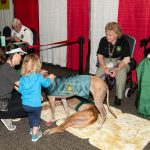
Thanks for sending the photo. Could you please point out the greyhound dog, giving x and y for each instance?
(99, 90)
(86, 114)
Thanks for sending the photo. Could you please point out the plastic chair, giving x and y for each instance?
(130, 90)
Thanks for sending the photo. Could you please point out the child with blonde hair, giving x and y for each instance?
(30, 88)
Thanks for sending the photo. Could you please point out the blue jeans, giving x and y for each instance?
(34, 114)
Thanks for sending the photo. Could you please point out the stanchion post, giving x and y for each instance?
(81, 42)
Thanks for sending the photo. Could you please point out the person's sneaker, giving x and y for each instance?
(4, 109)
(35, 138)
(31, 131)
(117, 101)
(8, 124)
(16, 119)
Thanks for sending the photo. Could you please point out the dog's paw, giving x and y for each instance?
(47, 132)
(49, 123)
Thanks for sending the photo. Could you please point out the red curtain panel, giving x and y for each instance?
(27, 12)
(134, 18)
(77, 25)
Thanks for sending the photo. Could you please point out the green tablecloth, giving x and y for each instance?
(143, 92)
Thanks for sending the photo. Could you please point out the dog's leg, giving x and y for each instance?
(77, 120)
(64, 101)
(99, 90)
(100, 106)
(52, 105)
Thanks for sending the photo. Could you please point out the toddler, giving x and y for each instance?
(30, 88)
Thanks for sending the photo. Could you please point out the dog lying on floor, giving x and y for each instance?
(86, 114)
(93, 84)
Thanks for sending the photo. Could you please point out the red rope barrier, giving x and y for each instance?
(61, 42)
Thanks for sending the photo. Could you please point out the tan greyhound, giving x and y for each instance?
(86, 114)
(99, 90)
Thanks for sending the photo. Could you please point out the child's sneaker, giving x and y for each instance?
(31, 131)
(37, 136)
(8, 124)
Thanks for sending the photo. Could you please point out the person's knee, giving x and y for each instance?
(121, 78)
(121, 75)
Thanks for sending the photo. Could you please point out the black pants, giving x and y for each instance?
(15, 109)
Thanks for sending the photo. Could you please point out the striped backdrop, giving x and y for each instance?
(67, 19)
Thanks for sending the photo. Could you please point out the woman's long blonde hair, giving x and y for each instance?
(31, 63)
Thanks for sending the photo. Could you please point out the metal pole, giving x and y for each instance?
(81, 42)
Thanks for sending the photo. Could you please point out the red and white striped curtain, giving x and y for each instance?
(61, 20)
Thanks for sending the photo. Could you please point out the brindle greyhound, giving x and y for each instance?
(86, 114)
(99, 90)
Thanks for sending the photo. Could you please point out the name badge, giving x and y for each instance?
(110, 65)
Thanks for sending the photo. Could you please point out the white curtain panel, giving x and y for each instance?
(6, 16)
(102, 12)
(53, 28)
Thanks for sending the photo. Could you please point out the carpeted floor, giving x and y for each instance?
(20, 138)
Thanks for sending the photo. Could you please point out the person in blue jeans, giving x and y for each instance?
(30, 88)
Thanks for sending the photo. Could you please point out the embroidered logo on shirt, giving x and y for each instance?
(118, 48)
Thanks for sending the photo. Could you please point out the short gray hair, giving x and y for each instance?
(15, 22)
(115, 27)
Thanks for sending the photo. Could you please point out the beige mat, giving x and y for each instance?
(127, 132)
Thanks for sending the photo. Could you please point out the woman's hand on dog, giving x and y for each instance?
(111, 72)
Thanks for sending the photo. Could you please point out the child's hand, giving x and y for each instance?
(43, 72)
(51, 76)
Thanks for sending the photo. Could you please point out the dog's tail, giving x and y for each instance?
(107, 99)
